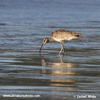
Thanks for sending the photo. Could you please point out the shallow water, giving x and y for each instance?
(23, 25)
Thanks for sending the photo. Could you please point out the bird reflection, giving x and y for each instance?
(60, 71)
(61, 67)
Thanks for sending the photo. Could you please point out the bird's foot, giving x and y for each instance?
(64, 54)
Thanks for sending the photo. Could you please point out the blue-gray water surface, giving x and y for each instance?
(49, 76)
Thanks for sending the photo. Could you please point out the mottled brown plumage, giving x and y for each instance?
(61, 36)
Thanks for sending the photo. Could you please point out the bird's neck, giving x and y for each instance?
(51, 40)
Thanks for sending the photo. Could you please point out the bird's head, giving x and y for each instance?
(45, 40)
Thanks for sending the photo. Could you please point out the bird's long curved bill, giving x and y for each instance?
(41, 47)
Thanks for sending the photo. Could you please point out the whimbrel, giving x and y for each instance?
(61, 36)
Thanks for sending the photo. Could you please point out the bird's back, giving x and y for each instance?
(64, 35)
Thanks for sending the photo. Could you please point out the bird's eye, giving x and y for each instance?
(43, 40)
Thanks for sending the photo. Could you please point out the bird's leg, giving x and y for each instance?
(62, 48)
(61, 58)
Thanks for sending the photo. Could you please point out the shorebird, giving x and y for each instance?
(61, 36)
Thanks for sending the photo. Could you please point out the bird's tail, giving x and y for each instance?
(78, 35)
